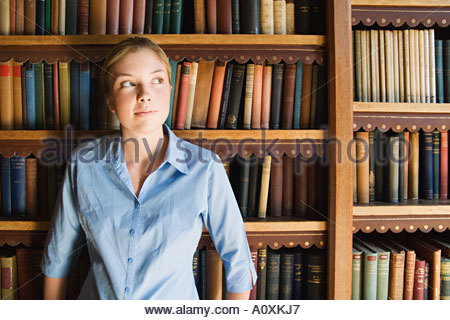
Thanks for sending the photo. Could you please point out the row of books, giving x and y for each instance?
(225, 95)
(393, 167)
(415, 269)
(283, 274)
(70, 17)
(280, 186)
(400, 66)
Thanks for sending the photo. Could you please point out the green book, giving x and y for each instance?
(176, 16)
(383, 258)
(370, 272)
(313, 114)
(401, 166)
(447, 71)
(262, 274)
(393, 157)
(316, 274)
(166, 18)
(358, 72)
(439, 64)
(48, 16)
(356, 274)
(39, 95)
(286, 275)
(436, 163)
(273, 275)
(371, 167)
(158, 17)
(445, 278)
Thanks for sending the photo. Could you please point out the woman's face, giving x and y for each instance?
(139, 91)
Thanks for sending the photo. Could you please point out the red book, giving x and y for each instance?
(419, 280)
(183, 95)
(257, 96)
(56, 95)
(211, 16)
(139, 16)
(83, 17)
(444, 166)
(126, 17)
(112, 17)
(287, 115)
(12, 17)
(224, 15)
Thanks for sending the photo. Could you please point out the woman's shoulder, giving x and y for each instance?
(95, 149)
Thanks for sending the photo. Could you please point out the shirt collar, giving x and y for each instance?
(174, 154)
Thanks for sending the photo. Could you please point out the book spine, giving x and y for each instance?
(419, 280)
(249, 16)
(279, 16)
(302, 12)
(183, 95)
(75, 94)
(358, 65)
(40, 17)
(427, 66)
(370, 276)
(97, 17)
(216, 94)
(6, 96)
(383, 275)
(214, 275)
(25, 277)
(426, 281)
(401, 166)
(436, 163)
(372, 181)
(394, 155)
(396, 69)
(56, 96)
(276, 187)
(254, 290)
(49, 122)
(166, 18)
(413, 171)
(407, 66)
(235, 17)
(286, 276)
(316, 285)
(410, 265)
(17, 95)
(235, 96)
(139, 16)
(288, 186)
(262, 274)
(126, 17)
(31, 97)
(202, 93)
(273, 275)
(6, 187)
(401, 67)
(225, 95)
(266, 13)
(176, 9)
(249, 84)
(426, 160)
(396, 274)
(299, 276)
(444, 166)
(300, 188)
(266, 96)
(257, 96)
(38, 78)
(290, 17)
(211, 16)
(362, 166)
(71, 17)
(18, 186)
(288, 96)
(30, 18)
(298, 94)
(305, 112)
(113, 15)
(62, 17)
(9, 278)
(199, 16)
(64, 93)
(193, 74)
(254, 181)
(265, 180)
(243, 186)
(31, 178)
(82, 17)
(85, 79)
(356, 276)
(445, 279)
(224, 19)
(277, 91)
(439, 71)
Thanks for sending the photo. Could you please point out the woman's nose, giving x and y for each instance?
(144, 95)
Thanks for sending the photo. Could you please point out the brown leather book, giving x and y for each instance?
(30, 17)
(112, 17)
(193, 73)
(175, 95)
(31, 177)
(290, 17)
(224, 19)
(266, 96)
(54, 19)
(276, 187)
(419, 280)
(6, 96)
(288, 185)
(183, 95)
(410, 266)
(56, 96)
(139, 16)
(17, 93)
(306, 96)
(362, 166)
(97, 17)
(20, 13)
(64, 93)
(265, 180)
(313, 191)
(288, 96)
(44, 210)
(214, 275)
(83, 17)
(413, 170)
(211, 16)
(25, 274)
(406, 165)
(300, 188)
(199, 16)
(396, 270)
(202, 93)
(12, 17)
(216, 94)
(257, 96)
(126, 17)
(432, 254)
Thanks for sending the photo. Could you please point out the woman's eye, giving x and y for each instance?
(158, 80)
(126, 84)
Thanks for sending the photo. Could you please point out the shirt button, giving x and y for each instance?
(138, 205)
(127, 289)
(132, 232)
(130, 260)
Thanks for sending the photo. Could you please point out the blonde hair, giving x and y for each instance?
(131, 45)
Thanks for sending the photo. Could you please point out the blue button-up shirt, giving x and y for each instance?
(142, 247)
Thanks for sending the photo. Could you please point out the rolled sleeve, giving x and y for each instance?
(224, 222)
(65, 236)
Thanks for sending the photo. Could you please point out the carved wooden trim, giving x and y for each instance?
(399, 15)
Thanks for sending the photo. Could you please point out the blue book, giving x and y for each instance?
(298, 94)
(426, 165)
(40, 17)
(39, 95)
(71, 16)
(48, 97)
(6, 186)
(75, 94)
(85, 82)
(173, 67)
(436, 163)
(31, 98)
(18, 187)
(439, 56)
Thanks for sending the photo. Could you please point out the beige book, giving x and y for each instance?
(4, 18)
(6, 96)
(407, 67)
(290, 17)
(401, 65)
(412, 64)
(432, 67)
(389, 66)
(266, 12)
(396, 66)
(214, 275)
(417, 65)
(362, 166)
(413, 170)
(368, 67)
(265, 180)
(382, 69)
(191, 94)
(248, 96)
(266, 94)
(377, 66)
(64, 93)
(364, 70)
(355, 171)
(422, 65)
(279, 16)
(257, 96)
(373, 65)
(427, 65)
(62, 17)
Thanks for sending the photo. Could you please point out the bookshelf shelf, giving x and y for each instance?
(226, 143)
(275, 233)
(400, 116)
(412, 215)
(399, 12)
(274, 48)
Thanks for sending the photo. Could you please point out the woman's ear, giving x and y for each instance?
(110, 105)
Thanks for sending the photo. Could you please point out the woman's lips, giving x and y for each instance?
(144, 113)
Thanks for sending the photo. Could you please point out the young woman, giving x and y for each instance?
(140, 198)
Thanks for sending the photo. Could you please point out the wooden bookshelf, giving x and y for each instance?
(401, 3)
(399, 116)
